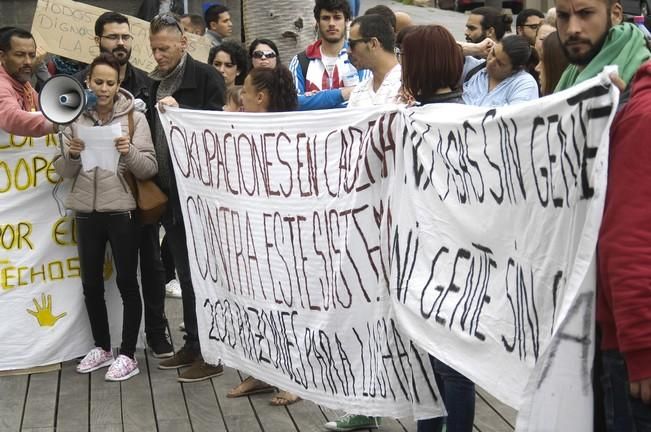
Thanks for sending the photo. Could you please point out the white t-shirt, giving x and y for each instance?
(329, 63)
(387, 93)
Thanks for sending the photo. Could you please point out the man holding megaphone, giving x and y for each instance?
(18, 99)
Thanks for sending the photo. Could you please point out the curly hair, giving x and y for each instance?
(279, 83)
(238, 58)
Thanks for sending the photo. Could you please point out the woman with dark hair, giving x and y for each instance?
(504, 80)
(432, 64)
(230, 60)
(269, 90)
(552, 63)
(104, 212)
(264, 53)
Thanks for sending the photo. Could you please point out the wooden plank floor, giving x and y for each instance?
(65, 401)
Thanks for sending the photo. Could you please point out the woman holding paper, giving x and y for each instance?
(104, 209)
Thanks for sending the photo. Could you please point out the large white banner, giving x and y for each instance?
(326, 246)
(44, 318)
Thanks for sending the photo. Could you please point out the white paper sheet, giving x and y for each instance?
(100, 148)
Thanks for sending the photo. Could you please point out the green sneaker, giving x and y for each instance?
(351, 422)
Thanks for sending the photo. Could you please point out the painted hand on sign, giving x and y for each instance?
(43, 312)
(108, 266)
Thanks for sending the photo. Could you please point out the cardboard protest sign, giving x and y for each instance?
(67, 28)
(325, 249)
(41, 300)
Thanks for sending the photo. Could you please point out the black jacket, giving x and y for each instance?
(136, 81)
(202, 88)
(149, 9)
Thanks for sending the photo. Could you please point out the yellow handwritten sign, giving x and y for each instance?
(67, 28)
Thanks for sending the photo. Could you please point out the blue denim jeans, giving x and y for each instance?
(623, 412)
(458, 394)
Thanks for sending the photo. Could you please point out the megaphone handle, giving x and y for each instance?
(61, 135)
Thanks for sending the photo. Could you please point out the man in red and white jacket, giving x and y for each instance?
(18, 100)
(624, 278)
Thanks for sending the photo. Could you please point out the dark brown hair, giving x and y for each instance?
(279, 83)
(553, 61)
(107, 59)
(431, 60)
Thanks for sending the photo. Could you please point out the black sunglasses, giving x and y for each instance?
(263, 54)
(168, 20)
(353, 42)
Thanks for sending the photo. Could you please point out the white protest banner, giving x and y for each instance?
(318, 242)
(495, 233)
(283, 229)
(67, 28)
(44, 317)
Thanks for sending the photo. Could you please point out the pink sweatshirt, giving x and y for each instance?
(16, 102)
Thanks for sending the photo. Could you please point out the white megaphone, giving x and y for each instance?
(63, 99)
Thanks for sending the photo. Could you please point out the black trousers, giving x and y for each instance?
(152, 276)
(175, 233)
(120, 230)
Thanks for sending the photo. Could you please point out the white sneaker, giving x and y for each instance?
(182, 326)
(122, 368)
(173, 289)
(97, 358)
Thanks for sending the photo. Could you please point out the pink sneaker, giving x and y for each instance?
(122, 369)
(97, 358)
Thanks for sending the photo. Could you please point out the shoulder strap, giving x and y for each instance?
(304, 62)
(473, 71)
(131, 127)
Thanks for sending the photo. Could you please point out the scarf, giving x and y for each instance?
(625, 46)
(169, 84)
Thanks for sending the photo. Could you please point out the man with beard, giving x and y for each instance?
(18, 99)
(179, 80)
(323, 75)
(113, 35)
(590, 42)
(487, 22)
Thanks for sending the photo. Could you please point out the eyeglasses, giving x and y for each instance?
(167, 20)
(353, 42)
(263, 55)
(117, 37)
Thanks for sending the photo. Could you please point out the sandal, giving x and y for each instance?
(248, 387)
(284, 398)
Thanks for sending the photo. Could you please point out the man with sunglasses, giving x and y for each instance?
(371, 46)
(179, 80)
(527, 24)
(320, 70)
(113, 35)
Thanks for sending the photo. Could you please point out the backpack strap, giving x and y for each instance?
(303, 62)
(473, 71)
(131, 126)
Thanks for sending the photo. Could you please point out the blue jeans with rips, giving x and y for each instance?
(623, 412)
(458, 394)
